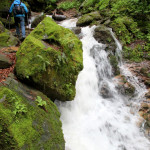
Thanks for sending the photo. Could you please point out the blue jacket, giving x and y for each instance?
(22, 4)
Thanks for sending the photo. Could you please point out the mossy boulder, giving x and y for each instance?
(87, 19)
(103, 35)
(51, 58)
(25, 124)
(6, 38)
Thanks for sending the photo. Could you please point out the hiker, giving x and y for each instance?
(19, 9)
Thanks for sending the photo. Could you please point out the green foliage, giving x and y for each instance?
(126, 29)
(103, 4)
(89, 3)
(61, 59)
(44, 62)
(68, 88)
(135, 54)
(27, 131)
(69, 5)
(20, 108)
(40, 101)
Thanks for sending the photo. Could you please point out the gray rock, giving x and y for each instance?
(103, 35)
(5, 62)
(76, 30)
(105, 92)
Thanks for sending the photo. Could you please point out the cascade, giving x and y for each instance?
(92, 122)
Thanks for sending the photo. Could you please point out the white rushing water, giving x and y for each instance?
(92, 122)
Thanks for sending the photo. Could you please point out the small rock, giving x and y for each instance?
(76, 30)
(141, 113)
(144, 105)
(5, 62)
(147, 95)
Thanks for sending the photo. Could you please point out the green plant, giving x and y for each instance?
(45, 63)
(61, 59)
(135, 54)
(68, 5)
(41, 102)
(20, 108)
(68, 88)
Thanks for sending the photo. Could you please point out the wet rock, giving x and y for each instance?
(87, 19)
(147, 82)
(142, 71)
(103, 35)
(147, 95)
(76, 30)
(114, 64)
(124, 87)
(5, 62)
(105, 92)
(59, 17)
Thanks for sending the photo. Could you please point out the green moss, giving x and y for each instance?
(34, 129)
(125, 28)
(51, 55)
(114, 63)
(6, 38)
(88, 6)
(88, 18)
(68, 5)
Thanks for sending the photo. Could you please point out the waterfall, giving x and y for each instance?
(91, 122)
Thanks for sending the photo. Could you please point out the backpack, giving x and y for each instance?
(18, 9)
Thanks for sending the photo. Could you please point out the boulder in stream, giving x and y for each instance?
(87, 19)
(50, 58)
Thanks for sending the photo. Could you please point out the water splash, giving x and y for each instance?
(92, 122)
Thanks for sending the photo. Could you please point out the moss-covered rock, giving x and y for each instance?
(51, 58)
(88, 18)
(37, 20)
(6, 38)
(25, 124)
(103, 35)
(114, 63)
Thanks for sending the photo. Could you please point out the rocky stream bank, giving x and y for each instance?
(44, 68)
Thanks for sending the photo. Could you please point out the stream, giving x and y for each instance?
(91, 122)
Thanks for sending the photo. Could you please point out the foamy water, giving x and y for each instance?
(91, 122)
